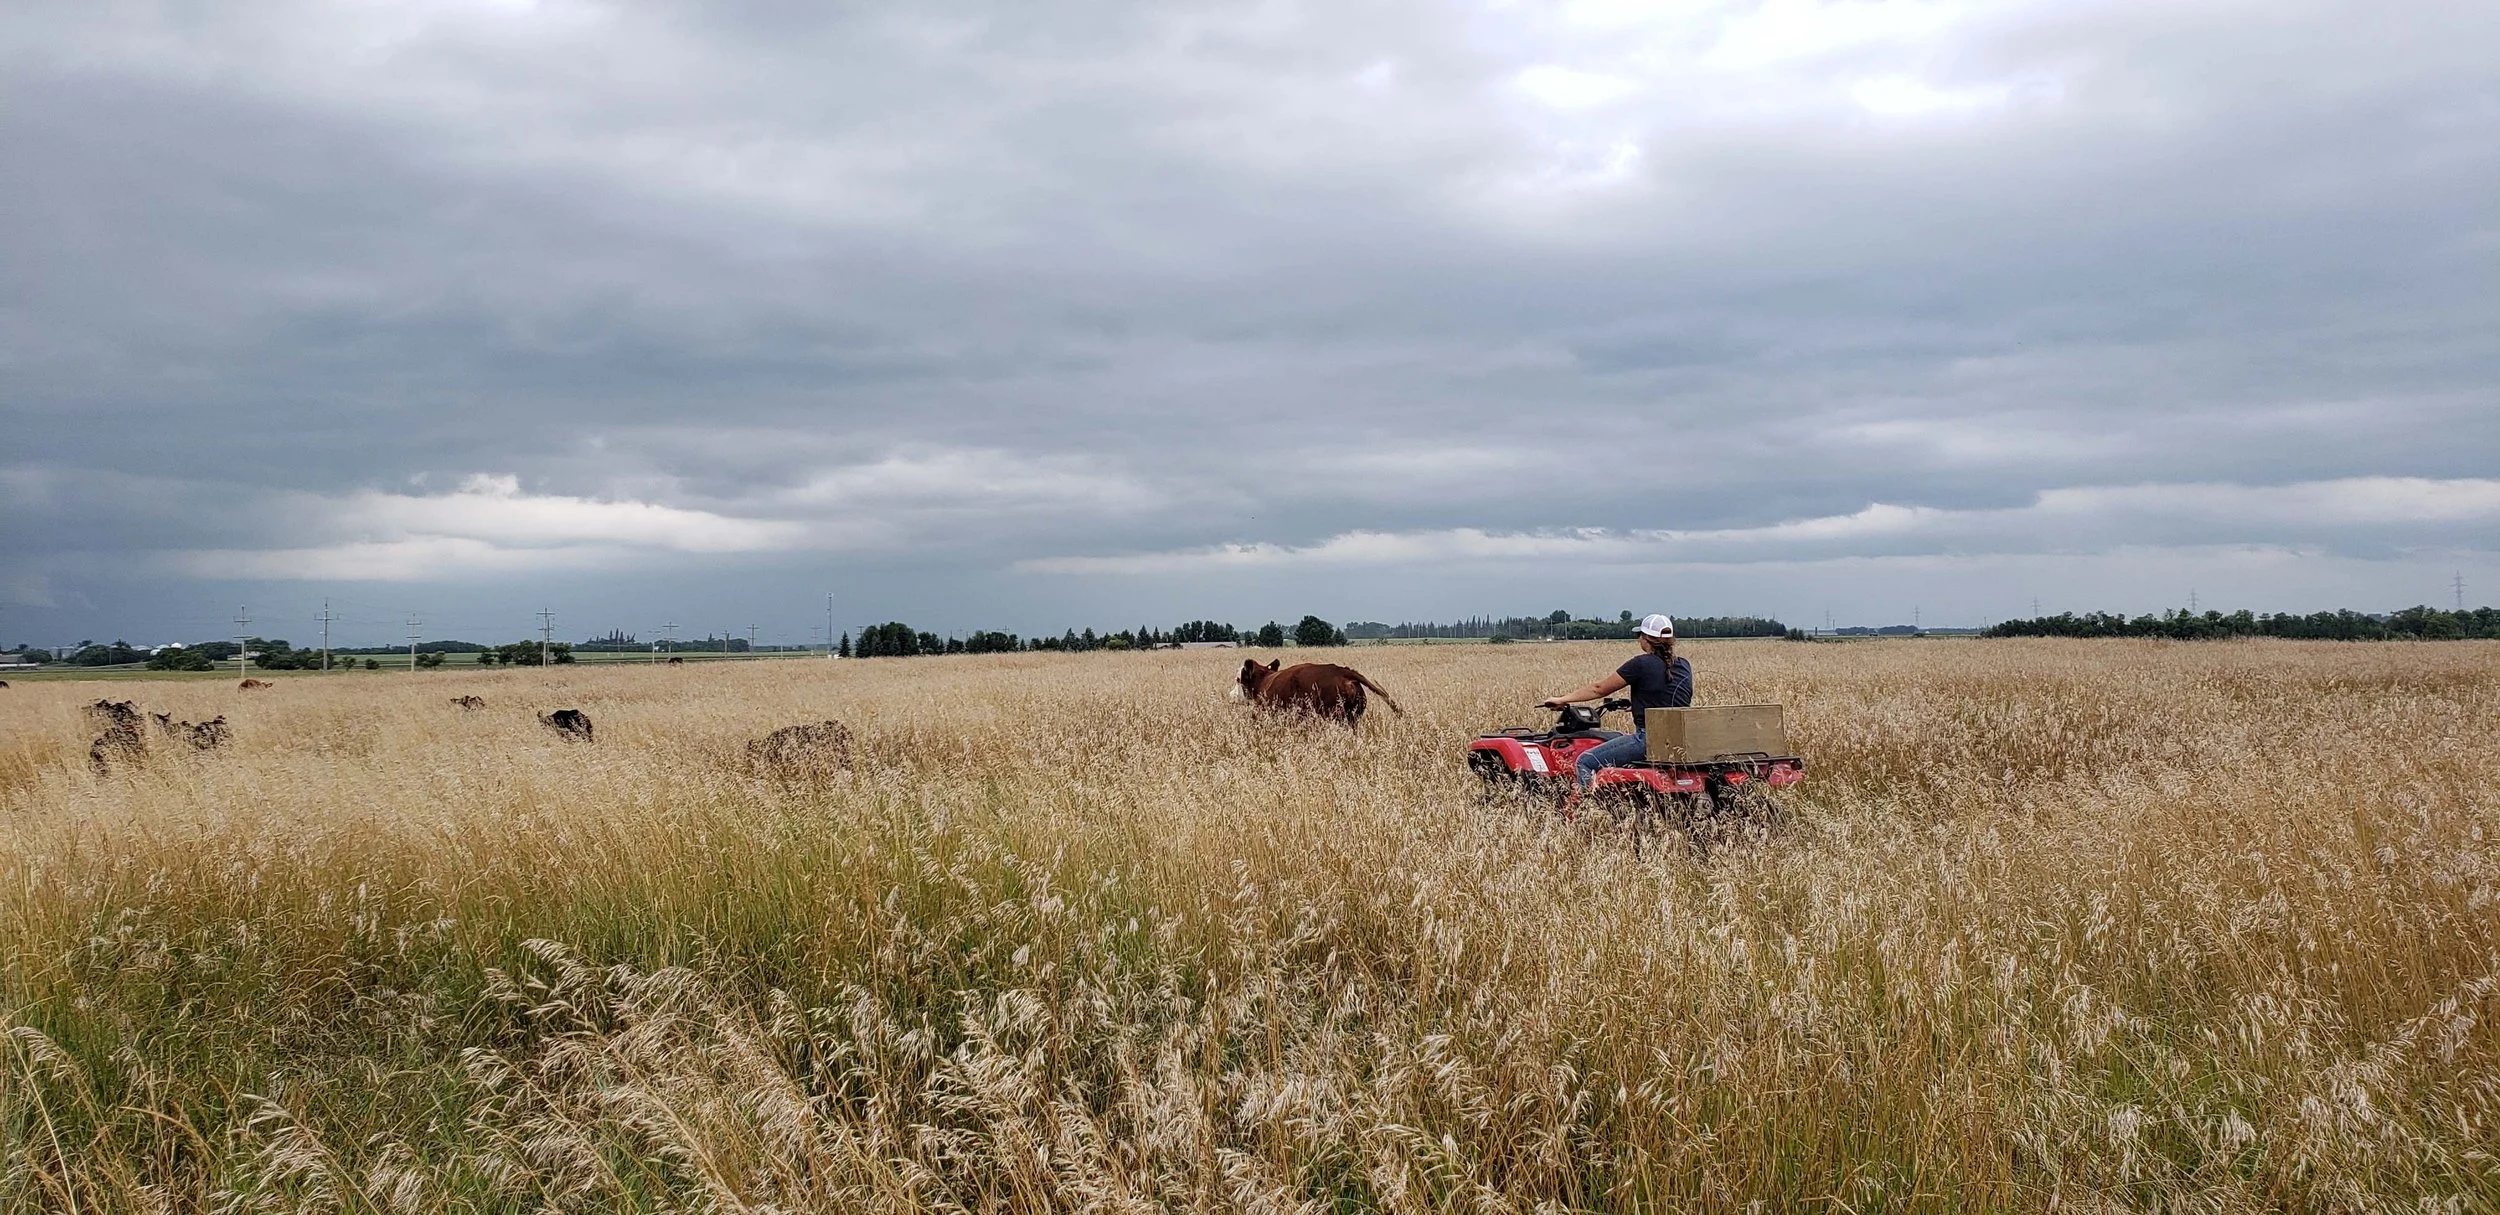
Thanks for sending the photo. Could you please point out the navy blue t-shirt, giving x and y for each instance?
(1655, 683)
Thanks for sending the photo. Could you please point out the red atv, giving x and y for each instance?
(1521, 760)
(1710, 801)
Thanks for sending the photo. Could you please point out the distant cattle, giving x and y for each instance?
(1315, 689)
(471, 703)
(115, 713)
(676, 662)
(253, 685)
(571, 723)
(802, 752)
(4, 683)
(165, 725)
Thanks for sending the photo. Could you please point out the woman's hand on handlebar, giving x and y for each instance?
(1555, 703)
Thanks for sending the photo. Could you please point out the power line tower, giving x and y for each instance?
(412, 643)
(242, 642)
(546, 633)
(750, 641)
(671, 629)
(828, 625)
(326, 618)
(2192, 603)
(2457, 584)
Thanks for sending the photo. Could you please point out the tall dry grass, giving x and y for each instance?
(2054, 925)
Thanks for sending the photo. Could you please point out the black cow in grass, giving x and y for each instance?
(571, 723)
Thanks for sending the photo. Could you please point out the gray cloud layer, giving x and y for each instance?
(1021, 315)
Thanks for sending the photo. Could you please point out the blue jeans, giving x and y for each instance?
(1610, 753)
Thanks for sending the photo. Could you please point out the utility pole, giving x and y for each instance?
(2035, 607)
(2458, 584)
(671, 626)
(1915, 626)
(326, 618)
(2192, 604)
(412, 643)
(546, 633)
(242, 642)
(750, 641)
(828, 625)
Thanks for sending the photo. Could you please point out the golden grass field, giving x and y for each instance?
(2054, 925)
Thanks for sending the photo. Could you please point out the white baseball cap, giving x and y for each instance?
(1655, 625)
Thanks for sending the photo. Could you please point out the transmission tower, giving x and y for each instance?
(412, 643)
(326, 618)
(546, 633)
(2457, 584)
(242, 642)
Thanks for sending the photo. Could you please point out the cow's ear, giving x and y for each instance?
(1274, 663)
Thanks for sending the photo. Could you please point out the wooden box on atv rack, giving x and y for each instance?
(1692, 736)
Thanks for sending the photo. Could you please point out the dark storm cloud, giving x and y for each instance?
(1123, 293)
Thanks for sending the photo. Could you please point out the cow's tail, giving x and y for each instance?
(1366, 681)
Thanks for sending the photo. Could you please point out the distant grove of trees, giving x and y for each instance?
(1561, 625)
(2421, 623)
(525, 653)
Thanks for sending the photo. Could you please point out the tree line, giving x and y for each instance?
(2419, 623)
(895, 639)
(1561, 625)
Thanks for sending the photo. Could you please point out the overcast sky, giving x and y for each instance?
(1029, 316)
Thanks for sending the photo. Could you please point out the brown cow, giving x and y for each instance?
(206, 735)
(1319, 689)
(470, 703)
(254, 685)
(121, 741)
(211, 734)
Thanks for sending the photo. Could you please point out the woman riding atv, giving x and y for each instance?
(1658, 680)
